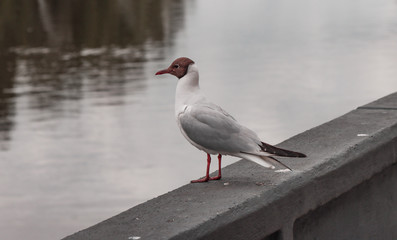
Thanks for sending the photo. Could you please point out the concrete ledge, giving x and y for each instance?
(346, 186)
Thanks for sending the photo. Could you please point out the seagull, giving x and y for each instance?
(211, 129)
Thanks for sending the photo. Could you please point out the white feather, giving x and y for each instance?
(255, 159)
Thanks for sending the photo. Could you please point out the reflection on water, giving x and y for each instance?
(87, 131)
(7, 102)
(56, 53)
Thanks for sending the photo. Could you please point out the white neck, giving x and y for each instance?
(187, 89)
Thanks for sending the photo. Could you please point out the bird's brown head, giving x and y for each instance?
(178, 68)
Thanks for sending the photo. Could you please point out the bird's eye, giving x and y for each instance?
(176, 66)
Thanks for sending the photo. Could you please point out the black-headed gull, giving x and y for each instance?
(211, 129)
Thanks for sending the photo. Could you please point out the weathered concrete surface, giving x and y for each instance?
(257, 203)
(368, 211)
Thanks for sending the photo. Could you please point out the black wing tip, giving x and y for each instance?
(293, 154)
(301, 155)
(281, 152)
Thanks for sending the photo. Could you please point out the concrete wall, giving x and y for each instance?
(368, 211)
(345, 189)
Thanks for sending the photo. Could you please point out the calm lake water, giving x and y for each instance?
(88, 131)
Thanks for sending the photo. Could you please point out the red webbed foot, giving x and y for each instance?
(207, 177)
(204, 179)
(216, 178)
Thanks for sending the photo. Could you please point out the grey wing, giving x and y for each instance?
(217, 131)
(219, 109)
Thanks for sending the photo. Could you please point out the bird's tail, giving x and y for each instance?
(279, 151)
(263, 160)
(265, 156)
(274, 161)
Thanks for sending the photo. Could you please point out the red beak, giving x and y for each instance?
(164, 71)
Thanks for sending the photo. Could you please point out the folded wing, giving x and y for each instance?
(213, 128)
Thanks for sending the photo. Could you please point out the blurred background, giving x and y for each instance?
(88, 131)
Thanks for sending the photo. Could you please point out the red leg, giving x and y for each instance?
(207, 176)
(219, 169)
